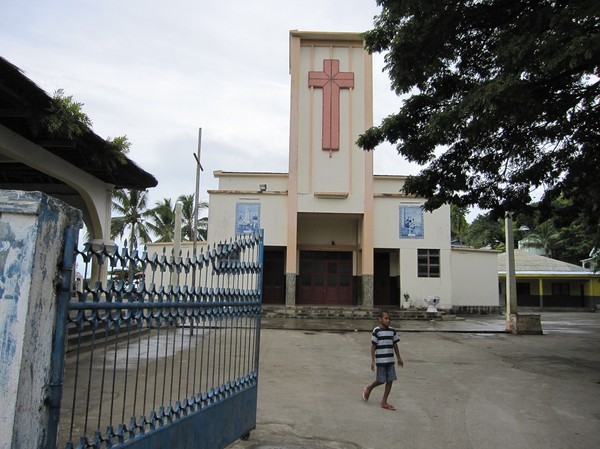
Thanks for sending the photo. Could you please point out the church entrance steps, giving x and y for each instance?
(349, 313)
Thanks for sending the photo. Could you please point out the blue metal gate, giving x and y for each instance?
(162, 351)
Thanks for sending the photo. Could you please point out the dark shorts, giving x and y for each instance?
(386, 373)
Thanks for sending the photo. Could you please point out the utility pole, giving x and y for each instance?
(196, 202)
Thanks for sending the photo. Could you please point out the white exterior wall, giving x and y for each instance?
(419, 288)
(436, 235)
(273, 215)
(186, 248)
(351, 205)
(474, 277)
(335, 231)
(234, 188)
(250, 182)
(388, 184)
(339, 171)
(387, 232)
(386, 212)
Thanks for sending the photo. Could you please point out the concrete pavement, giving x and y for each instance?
(466, 384)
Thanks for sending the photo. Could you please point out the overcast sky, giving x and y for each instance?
(157, 71)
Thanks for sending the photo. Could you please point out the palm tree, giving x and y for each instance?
(202, 223)
(544, 237)
(187, 215)
(131, 207)
(163, 216)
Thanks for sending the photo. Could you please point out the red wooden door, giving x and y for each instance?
(325, 278)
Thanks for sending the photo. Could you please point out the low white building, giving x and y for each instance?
(335, 233)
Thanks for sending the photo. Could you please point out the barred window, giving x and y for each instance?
(428, 263)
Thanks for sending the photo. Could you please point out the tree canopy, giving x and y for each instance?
(187, 212)
(138, 223)
(501, 99)
(163, 220)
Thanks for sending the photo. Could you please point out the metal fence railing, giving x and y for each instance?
(158, 341)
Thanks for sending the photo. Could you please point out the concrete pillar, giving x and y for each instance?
(367, 291)
(32, 234)
(516, 323)
(525, 324)
(290, 289)
(511, 280)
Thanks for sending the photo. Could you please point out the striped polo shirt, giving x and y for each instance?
(384, 338)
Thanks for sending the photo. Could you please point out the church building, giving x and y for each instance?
(335, 233)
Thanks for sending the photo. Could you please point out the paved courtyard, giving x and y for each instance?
(465, 384)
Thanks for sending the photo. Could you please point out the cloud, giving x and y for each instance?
(157, 71)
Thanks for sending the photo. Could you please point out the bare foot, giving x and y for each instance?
(366, 393)
(388, 406)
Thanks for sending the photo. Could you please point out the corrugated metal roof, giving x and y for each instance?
(527, 263)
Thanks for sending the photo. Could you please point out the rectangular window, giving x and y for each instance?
(428, 263)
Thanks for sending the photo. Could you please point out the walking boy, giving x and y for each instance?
(384, 344)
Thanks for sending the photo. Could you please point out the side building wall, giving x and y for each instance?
(475, 281)
(239, 194)
(402, 225)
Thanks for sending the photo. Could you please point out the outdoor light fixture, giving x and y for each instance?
(262, 187)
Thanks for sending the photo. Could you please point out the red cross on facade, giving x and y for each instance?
(331, 80)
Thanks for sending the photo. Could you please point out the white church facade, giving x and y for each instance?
(335, 233)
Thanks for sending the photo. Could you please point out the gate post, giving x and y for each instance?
(33, 230)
